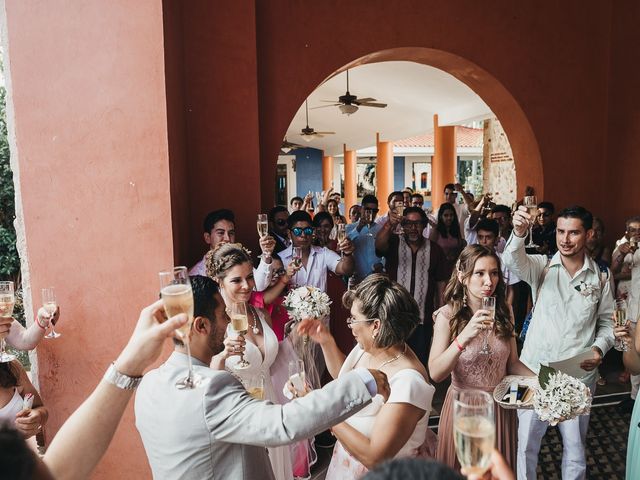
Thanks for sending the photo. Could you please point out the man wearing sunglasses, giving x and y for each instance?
(363, 235)
(278, 227)
(316, 261)
(544, 230)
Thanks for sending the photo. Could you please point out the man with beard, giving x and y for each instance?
(572, 315)
(419, 265)
(218, 430)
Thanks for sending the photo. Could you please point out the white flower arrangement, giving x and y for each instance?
(560, 397)
(587, 290)
(307, 302)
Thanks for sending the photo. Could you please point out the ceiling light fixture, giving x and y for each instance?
(307, 138)
(348, 109)
(286, 149)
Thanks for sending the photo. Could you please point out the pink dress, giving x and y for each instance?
(481, 372)
(407, 386)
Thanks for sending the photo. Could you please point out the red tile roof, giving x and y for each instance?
(465, 137)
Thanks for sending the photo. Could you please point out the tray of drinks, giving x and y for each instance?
(515, 391)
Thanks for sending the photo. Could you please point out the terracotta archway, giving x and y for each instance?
(526, 153)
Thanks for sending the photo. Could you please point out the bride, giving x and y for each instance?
(230, 265)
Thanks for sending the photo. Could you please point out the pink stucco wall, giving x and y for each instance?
(89, 115)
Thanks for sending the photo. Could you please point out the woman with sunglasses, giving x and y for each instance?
(383, 316)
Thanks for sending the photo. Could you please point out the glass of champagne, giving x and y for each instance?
(474, 430)
(177, 297)
(398, 209)
(341, 234)
(531, 202)
(240, 326)
(620, 320)
(297, 376)
(263, 225)
(50, 304)
(7, 301)
(488, 303)
(296, 259)
(255, 386)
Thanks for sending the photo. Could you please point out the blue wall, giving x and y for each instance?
(308, 171)
(398, 173)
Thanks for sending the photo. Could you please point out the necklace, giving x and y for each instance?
(254, 327)
(386, 362)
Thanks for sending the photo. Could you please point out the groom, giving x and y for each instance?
(418, 264)
(217, 430)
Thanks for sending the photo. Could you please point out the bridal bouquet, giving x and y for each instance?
(560, 397)
(307, 302)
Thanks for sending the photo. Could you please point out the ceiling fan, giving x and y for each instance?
(349, 104)
(288, 146)
(307, 132)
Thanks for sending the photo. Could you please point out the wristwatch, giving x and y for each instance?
(120, 380)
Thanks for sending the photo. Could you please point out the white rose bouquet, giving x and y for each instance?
(560, 397)
(307, 302)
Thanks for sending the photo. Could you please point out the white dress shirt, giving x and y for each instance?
(565, 322)
(261, 275)
(314, 273)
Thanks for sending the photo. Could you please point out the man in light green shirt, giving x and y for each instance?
(572, 314)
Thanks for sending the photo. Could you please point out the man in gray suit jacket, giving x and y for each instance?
(217, 430)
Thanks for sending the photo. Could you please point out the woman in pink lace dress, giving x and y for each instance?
(457, 340)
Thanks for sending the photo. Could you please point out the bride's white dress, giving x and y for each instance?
(279, 456)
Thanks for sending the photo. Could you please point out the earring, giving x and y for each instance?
(464, 297)
(373, 335)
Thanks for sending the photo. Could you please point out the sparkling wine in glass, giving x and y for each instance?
(297, 375)
(177, 297)
(7, 301)
(263, 225)
(240, 326)
(531, 202)
(50, 304)
(488, 303)
(255, 386)
(296, 259)
(474, 430)
(620, 320)
(341, 234)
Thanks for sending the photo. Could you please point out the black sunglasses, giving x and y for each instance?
(297, 231)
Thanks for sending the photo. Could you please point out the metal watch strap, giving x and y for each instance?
(120, 380)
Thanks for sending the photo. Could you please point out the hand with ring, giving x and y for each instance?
(233, 346)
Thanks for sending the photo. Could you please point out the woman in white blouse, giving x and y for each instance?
(383, 316)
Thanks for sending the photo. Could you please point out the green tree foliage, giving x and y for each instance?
(9, 260)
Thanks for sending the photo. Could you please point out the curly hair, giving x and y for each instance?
(455, 292)
(225, 256)
(383, 299)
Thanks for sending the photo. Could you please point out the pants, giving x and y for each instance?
(574, 434)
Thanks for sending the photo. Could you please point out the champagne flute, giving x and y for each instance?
(398, 208)
(263, 225)
(620, 320)
(50, 305)
(240, 326)
(474, 430)
(297, 376)
(296, 259)
(532, 208)
(255, 386)
(341, 234)
(177, 297)
(488, 303)
(7, 301)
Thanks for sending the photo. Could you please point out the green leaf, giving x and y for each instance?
(543, 376)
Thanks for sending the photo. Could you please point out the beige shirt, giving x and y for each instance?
(571, 313)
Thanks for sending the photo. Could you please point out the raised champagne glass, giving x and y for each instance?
(240, 326)
(50, 304)
(531, 203)
(474, 430)
(296, 259)
(263, 225)
(177, 297)
(398, 209)
(7, 301)
(488, 303)
(620, 320)
(341, 234)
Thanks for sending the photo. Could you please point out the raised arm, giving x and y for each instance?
(526, 267)
(85, 436)
(22, 338)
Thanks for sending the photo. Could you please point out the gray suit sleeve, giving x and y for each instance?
(233, 416)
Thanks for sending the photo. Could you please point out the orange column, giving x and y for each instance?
(384, 173)
(350, 191)
(327, 172)
(443, 166)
